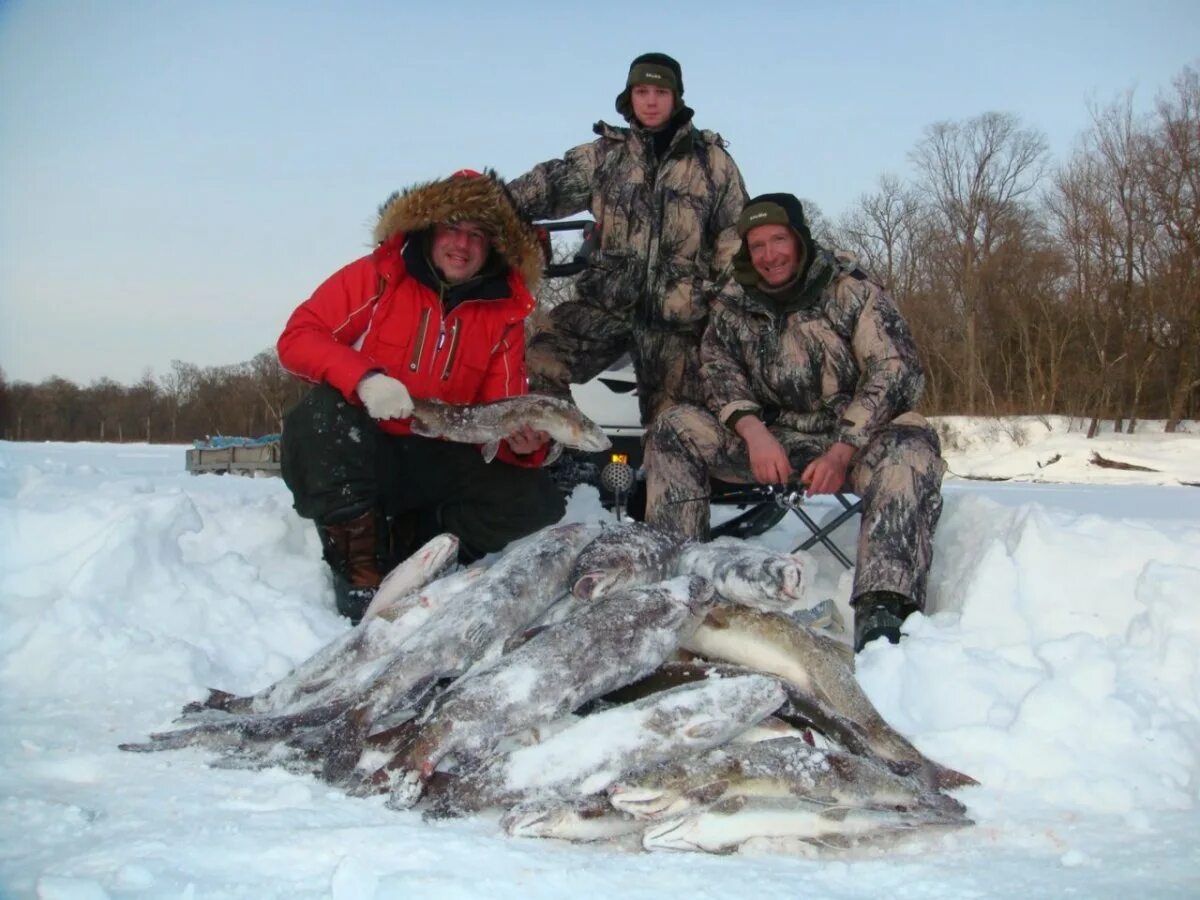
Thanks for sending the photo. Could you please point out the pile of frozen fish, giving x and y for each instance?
(596, 683)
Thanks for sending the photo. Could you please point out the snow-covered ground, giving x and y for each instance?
(1059, 665)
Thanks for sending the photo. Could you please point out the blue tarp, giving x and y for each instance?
(220, 441)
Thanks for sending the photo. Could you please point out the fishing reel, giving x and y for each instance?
(789, 496)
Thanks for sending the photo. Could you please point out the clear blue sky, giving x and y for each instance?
(176, 176)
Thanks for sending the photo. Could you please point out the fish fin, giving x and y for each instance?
(523, 637)
(703, 730)
(406, 792)
(730, 805)
(835, 813)
(218, 699)
(344, 739)
(907, 767)
(948, 779)
(408, 707)
(553, 453)
(387, 725)
(479, 634)
(718, 617)
(489, 450)
(142, 747)
(204, 735)
(845, 651)
(708, 793)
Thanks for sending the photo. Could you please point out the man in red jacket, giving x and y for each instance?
(436, 311)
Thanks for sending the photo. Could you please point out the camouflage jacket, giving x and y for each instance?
(668, 228)
(842, 365)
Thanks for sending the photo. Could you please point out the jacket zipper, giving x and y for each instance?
(453, 347)
(422, 330)
(652, 248)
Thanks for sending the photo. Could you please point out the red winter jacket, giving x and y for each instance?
(374, 315)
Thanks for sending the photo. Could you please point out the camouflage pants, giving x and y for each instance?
(579, 339)
(898, 475)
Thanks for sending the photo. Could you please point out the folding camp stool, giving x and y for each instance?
(790, 498)
(772, 503)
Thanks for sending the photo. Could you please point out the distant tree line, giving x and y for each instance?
(188, 403)
(1039, 289)
(1031, 287)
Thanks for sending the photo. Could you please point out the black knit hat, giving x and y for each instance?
(651, 68)
(771, 209)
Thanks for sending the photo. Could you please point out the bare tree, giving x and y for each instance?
(883, 230)
(974, 176)
(1172, 178)
(277, 387)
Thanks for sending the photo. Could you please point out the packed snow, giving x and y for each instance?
(1059, 664)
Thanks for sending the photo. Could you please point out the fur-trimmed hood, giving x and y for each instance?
(467, 195)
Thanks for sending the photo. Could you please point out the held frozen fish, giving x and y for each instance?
(489, 423)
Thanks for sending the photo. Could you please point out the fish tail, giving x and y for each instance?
(344, 740)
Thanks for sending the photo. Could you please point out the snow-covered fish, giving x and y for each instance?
(672, 674)
(412, 574)
(772, 728)
(593, 752)
(749, 573)
(352, 660)
(370, 645)
(816, 665)
(824, 615)
(786, 767)
(609, 643)
(489, 423)
(624, 556)
(586, 819)
(513, 592)
(801, 825)
(402, 599)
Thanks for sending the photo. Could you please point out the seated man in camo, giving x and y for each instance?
(810, 375)
(436, 311)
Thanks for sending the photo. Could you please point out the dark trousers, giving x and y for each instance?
(338, 464)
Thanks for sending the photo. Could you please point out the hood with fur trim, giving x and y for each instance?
(483, 198)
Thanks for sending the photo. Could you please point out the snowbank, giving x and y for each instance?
(1059, 664)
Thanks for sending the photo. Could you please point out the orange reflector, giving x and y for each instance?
(622, 458)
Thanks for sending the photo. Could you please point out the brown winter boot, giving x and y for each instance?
(351, 549)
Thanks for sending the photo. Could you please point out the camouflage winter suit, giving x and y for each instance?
(667, 239)
(840, 365)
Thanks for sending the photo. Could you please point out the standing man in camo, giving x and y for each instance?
(811, 375)
(666, 197)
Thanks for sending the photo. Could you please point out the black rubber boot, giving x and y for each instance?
(879, 614)
(351, 601)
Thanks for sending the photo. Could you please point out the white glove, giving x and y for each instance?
(385, 397)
